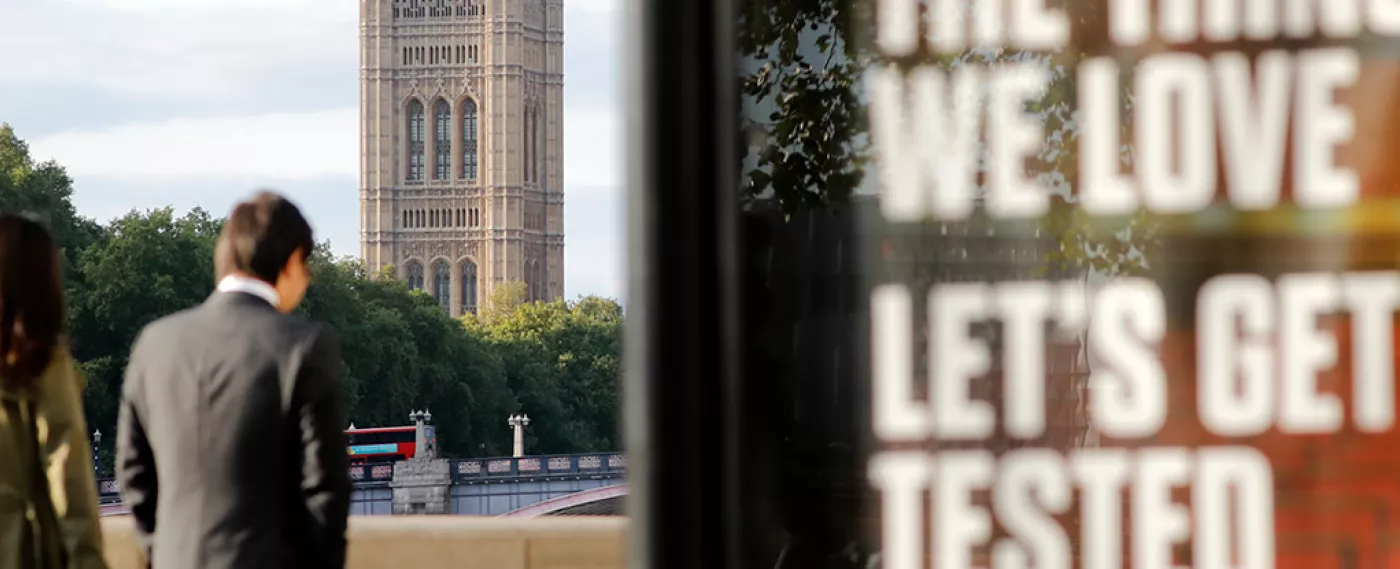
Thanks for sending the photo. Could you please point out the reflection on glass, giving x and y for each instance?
(1014, 256)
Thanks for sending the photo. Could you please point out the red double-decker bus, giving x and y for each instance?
(385, 444)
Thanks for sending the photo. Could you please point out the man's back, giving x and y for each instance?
(231, 449)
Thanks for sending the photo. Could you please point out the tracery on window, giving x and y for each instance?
(415, 275)
(468, 287)
(469, 127)
(442, 140)
(442, 284)
(529, 141)
(538, 133)
(415, 140)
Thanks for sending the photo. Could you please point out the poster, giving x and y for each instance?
(1211, 384)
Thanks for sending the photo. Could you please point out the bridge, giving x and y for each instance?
(527, 486)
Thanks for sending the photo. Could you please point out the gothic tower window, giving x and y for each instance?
(415, 275)
(415, 140)
(469, 124)
(442, 284)
(532, 279)
(529, 133)
(442, 140)
(468, 287)
(537, 132)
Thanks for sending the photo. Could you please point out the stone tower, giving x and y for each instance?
(461, 145)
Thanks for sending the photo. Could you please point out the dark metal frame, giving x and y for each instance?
(682, 419)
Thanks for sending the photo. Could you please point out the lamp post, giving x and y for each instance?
(420, 434)
(96, 455)
(518, 423)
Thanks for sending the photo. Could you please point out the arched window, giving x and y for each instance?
(415, 140)
(469, 124)
(442, 140)
(415, 275)
(538, 166)
(529, 143)
(442, 284)
(532, 280)
(540, 280)
(468, 287)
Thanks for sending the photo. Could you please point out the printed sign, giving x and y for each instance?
(374, 449)
(1243, 412)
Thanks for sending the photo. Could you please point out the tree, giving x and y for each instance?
(45, 190)
(150, 264)
(503, 300)
(562, 362)
(400, 350)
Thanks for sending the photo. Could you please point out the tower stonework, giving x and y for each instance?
(461, 145)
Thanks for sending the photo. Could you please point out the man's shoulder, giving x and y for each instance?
(198, 321)
(170, 325)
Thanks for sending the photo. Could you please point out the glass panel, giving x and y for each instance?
(415, 275)
(442, 289)
(469, 287)
(469, 126)
(1010, 259)
(442, 140)
(415, 140)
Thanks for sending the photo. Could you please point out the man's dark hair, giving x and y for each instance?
(260, 236)
(31, 300)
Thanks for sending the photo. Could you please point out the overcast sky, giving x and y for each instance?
(192, 103)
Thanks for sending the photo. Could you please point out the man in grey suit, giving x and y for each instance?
(230, 445)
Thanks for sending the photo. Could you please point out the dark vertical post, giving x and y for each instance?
(681, 419)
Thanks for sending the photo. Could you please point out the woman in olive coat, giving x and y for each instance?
(48, 497)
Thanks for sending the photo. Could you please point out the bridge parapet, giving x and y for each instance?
(469, 469)
(476, 470)
(433, 542)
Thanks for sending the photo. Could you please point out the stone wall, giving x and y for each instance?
(458, 542)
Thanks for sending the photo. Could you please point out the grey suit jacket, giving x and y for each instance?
(230, 441)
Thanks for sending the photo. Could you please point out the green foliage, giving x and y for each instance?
(808, 143)
(558, 362)
(504, 299)
(562, 360)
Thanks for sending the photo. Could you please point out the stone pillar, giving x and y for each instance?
(422, 486)
(420, 434)
(517, 423)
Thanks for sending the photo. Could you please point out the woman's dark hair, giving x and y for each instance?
(31, 300)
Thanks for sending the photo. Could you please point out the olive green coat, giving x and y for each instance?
(57, 408)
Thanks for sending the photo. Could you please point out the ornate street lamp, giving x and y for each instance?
(518, 423)
(96, 454)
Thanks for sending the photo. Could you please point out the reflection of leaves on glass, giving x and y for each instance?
(804, 136)
(808, 149)
(805, 146)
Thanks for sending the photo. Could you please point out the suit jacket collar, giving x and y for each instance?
(249, 285)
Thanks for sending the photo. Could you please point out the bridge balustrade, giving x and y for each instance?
(470, 470)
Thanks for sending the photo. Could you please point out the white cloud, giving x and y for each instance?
(290, 146)
(293, 146)
(174, 50)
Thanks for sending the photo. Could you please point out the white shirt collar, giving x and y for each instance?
(255, 287)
